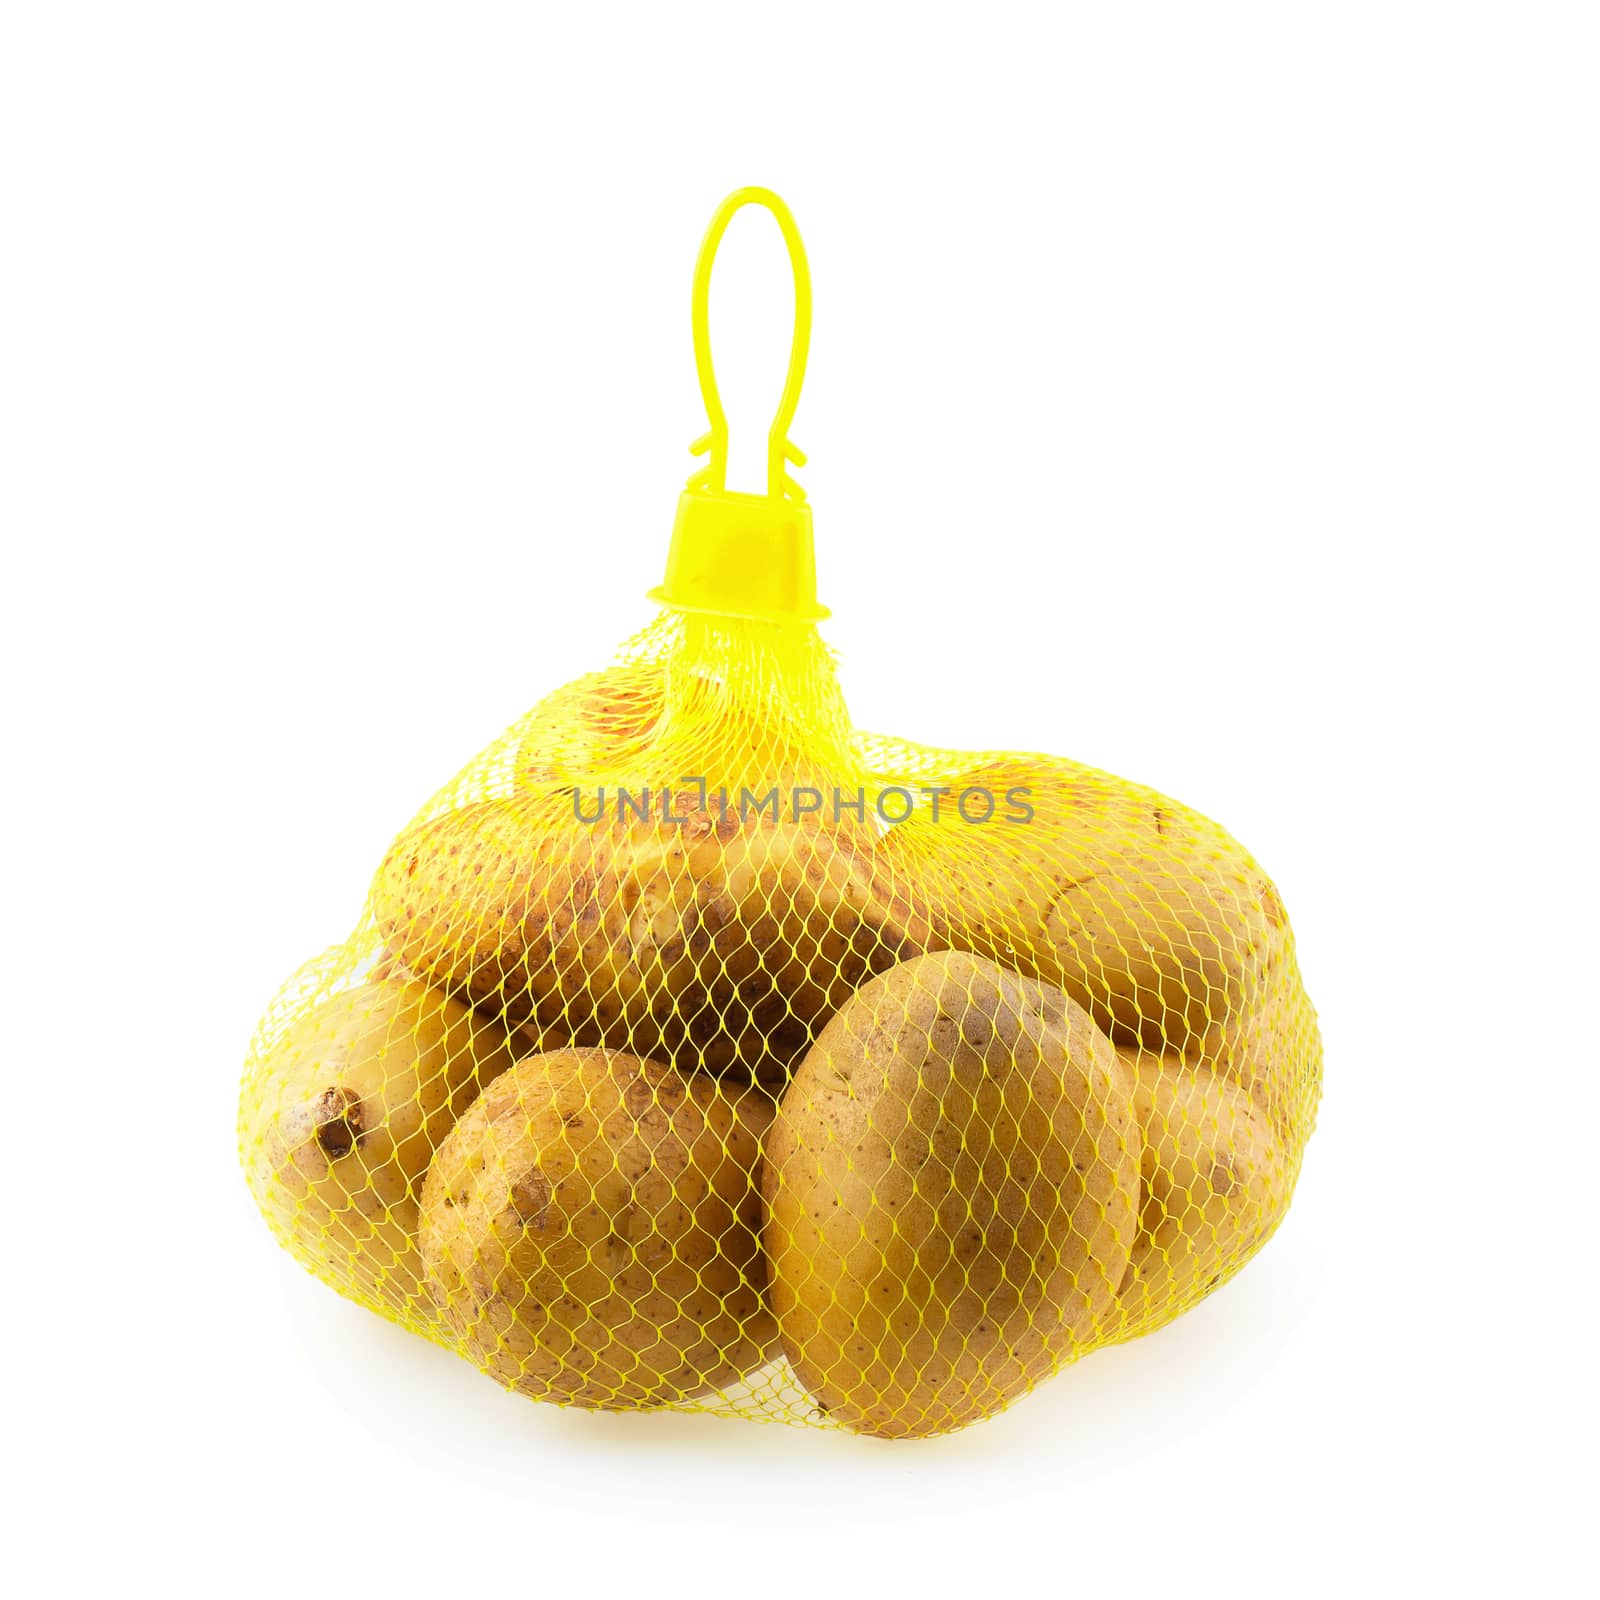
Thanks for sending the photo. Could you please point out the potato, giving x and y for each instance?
(952, 1190)
(586, 727)
(1215, 1183)
(1270, 1046)
(529, 1039)
(589, 1231)
(718, 942)
(338, 1123)
(1145, 912)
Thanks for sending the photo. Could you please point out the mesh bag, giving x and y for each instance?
(698, 1050)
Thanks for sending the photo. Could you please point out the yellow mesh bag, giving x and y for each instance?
(698, 1050)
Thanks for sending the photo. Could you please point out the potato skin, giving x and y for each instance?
(951, 1190)
(1215, 1183)
(339, 1121)
(718, 942)
(590, 1232)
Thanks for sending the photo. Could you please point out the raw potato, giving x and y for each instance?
(527, 1040)
(588, 726)
(952, 1190)
(1215, 1185)
(590, 1231)
(1271, 1047)
(339, 1123)
(1144, 911)
(718, 942)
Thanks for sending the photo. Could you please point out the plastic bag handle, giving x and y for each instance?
(781, 454)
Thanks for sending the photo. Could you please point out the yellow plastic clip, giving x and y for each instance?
(745, 555)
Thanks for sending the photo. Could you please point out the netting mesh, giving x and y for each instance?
(695, 1050)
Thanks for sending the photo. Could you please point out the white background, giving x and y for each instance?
(1207, 392)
